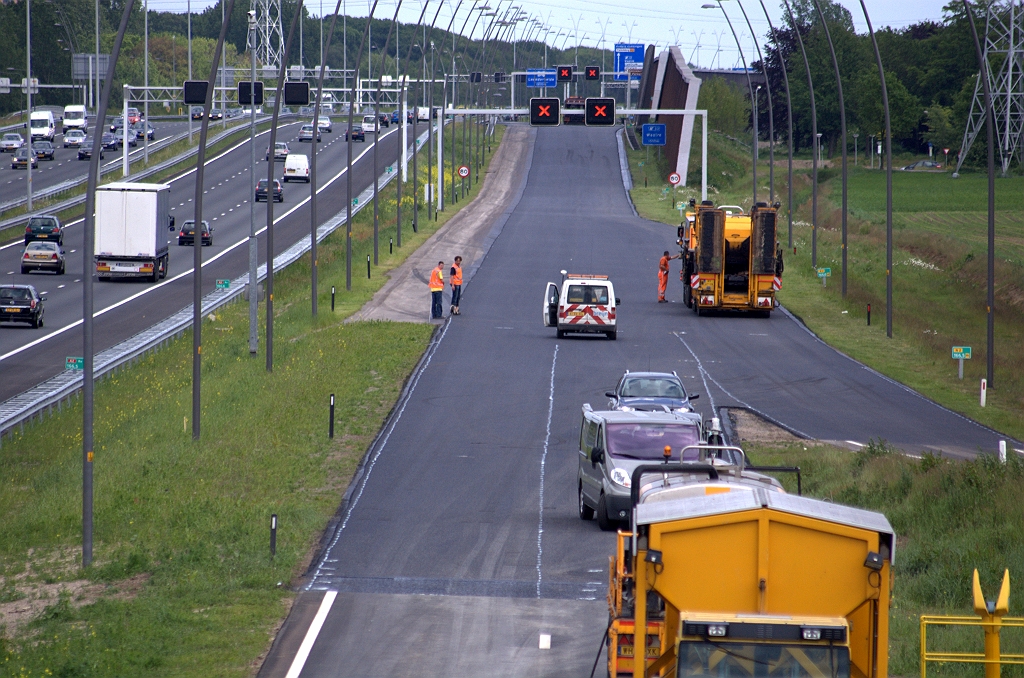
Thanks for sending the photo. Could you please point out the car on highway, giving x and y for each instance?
(133, 139)
(187, 234)
(923, 166)
(296, 166)
(324, 123)
(261, 191)
(196, 112)
(384, 119)
(585, 303)
(613, 443)
(395, 117)
(370, 124)
(143, 129)
(43, 149)
(114, 122)
(85, 149)
(357, 133)
(74, 138)
(22, 157)
(11, 142)
(21, 304)
(44, 227)
(650, 392)
(306, 133)
(134, 116)
(216, 114)
(39, 255)
(110, 142)
(281, 151)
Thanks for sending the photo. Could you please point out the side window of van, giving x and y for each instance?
(600, 437)
(589, 435)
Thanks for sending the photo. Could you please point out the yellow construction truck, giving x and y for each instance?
(731, 259)
(743, 580)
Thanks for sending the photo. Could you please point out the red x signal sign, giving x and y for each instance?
(600, 111)
(564, 74)
(593, 73)
(544, 111)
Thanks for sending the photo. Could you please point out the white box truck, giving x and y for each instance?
(75, 117)
(132, 221)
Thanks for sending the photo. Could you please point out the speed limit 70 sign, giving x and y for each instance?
(674, 178)
(463, 171)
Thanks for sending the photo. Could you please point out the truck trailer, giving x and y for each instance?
(731, 259)
(744, 580)
(132, 221)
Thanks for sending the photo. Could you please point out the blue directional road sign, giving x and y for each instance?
(541, 77)
(629, 57)
(653, 134)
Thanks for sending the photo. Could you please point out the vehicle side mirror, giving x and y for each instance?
(617, 301)
(596, 456)
(693, 396)
(610, 394)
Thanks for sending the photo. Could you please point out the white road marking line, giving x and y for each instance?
(543, 462)
(311, 634)
(854, 442)
(60, 287)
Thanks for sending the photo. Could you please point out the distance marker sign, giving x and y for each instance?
(463, 171)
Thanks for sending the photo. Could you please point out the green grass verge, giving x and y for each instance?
(950, 517)
(939, 272)
(183, 582)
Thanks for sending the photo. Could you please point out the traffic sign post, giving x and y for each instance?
(960, 354)
(824, 274)
(593, 73)
(541, 77)
(628, 58)
(674, 179)
(296, 94)
(246, 92)
(223, 284)
(653, 134)
(74, 363)
(544, 111)
(564, 74)
(463, 171)
(600, 112)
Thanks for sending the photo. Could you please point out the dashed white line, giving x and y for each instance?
(543, 463)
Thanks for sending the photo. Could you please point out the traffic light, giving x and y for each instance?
(564, 74)
(544, 111)
(296, 93)
(593, 73)
(244, 93)
(195, 92)
(600, 111)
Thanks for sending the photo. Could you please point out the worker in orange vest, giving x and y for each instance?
(663, 276)
(436, 288)
(456, 283)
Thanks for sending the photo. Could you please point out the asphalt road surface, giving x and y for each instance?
(460, 543)
(125, 307)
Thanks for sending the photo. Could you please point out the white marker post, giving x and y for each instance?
(984, 391)
(1002, 451)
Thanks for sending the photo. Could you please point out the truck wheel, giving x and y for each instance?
(611, 335)
(687, 295)
(560, 334)
(602, 515)
(163, 266)
(586, 513)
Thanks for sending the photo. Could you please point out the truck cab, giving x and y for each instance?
(583, 303)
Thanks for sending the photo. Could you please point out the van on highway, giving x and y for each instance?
(296, 167)
(42, 126)
(74, 118)
(585, 303)
(370, 124)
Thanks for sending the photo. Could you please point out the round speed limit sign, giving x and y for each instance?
(674, 178)
(463, 171)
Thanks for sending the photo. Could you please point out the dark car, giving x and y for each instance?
(385, 119)
(650, 392)
(196, 112)
(43, 149)
(215, 114)
(261, 191)
(85, 149)
(143, 129)
(44, 227)
(187, 234)
(22, 158)
(42, 256)
(114, 122)
(110, 142)
(21, 304)
(923, 166)
(133, 139)
(357, 133)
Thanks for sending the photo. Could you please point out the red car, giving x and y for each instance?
(134, 116)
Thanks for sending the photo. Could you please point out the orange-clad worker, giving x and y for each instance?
(436, 285)
(663, 275)
(456, 283)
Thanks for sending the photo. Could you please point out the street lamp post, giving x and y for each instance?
(771, 109)
(253, 244)
(28, 94)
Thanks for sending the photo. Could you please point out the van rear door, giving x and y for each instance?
(551, 305)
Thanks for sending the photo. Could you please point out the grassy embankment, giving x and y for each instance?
(939, 269)
(950, 517)
(183, 582)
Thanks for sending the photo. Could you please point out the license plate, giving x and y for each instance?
(11, 310)
(43, 236)
(125, 268)
(575, 314)
(40, 256)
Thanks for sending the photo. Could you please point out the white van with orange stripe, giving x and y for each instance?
(585, 303)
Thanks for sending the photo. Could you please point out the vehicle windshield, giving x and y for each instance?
(47, 246)
(12, 137)
(651, 387)
(42, 222)
(74, 133)
(587, 294)
(74, 115)
(647, 440)
(40, 123)
(736, 660)
(15, 293)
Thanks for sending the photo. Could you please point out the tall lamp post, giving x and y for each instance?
(28, 94)
(253, 244)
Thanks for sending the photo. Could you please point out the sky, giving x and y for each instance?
(703, 34)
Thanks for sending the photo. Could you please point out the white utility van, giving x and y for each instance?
(41, 125)
(585, 303)
(296, 167)
(370, 124)
(74, 118)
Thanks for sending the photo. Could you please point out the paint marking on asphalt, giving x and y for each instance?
(543, 463)
(854, 442)
(311, 634)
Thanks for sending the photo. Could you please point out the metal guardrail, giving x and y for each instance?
(144, 174)
(54, 392)
(967, 657)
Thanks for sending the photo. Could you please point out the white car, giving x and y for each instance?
(74, 138)
(296, 167)
(370, 124)
(11, 142)
(324, 123)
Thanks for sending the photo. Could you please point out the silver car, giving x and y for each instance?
(42, 256)
(306, 133)
(613, 444)
(11, 142)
